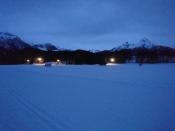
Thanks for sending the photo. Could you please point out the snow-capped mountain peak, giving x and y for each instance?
(45, 47)
(125, 45)
(145, 43)
(7, 36)
(10, 41)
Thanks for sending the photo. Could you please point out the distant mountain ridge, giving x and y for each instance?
(12, 42)
(13, 50)
(143, 43)
(45, 47)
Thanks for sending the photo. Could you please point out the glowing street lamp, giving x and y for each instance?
(28, 61)
(58, 60)
(39, 60)
(112, 60)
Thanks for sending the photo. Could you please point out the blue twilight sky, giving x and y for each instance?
(89, 24)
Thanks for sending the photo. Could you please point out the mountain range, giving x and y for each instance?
(12, 42)
(12, 46)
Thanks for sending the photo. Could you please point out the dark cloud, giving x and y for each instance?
(89, 23)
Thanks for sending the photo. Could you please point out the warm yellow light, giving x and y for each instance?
(40, 59)
(58, 60)
(112, 60)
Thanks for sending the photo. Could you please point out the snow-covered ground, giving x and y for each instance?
(87, 98)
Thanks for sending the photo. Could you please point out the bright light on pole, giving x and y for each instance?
(28, 61)
(112, 60)
(39, 60)
(58, 60)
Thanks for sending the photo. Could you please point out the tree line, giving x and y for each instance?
(157, 54)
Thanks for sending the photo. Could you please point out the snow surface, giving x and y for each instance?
(87, 98)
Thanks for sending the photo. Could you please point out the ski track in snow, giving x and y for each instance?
(49, 120)
(89, 98)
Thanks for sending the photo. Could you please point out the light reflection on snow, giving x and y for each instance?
(111, 64)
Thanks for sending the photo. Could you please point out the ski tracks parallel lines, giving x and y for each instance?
(50, 121)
